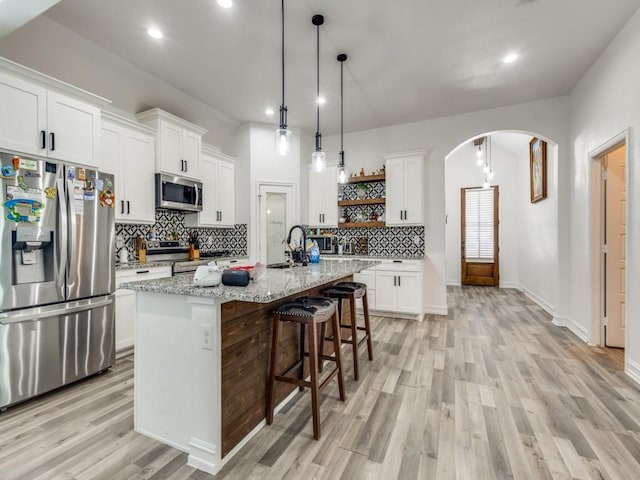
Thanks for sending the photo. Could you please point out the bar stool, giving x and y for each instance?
(352, 291)
(308, 312)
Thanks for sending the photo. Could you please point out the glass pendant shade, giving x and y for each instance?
(490, 175)
(319, 160)
(343, 174)
(479, 162)
(479, 152)
(283, 141)
(486, 168)
(486, 185)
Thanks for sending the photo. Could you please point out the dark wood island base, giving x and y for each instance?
(246, 347)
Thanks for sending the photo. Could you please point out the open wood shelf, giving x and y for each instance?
(362, 201)
(367, 178)
(362, 225)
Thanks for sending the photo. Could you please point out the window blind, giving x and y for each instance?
(479, 224)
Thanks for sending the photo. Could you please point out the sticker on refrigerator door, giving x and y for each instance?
(23, 206)
(7, 171)
(50, 193)
(25, 164)
(107, 198)
(78, 196)
(22, 184)
(99, 184)
(82, 174)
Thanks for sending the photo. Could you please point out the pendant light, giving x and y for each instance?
(318, 158)
(479, 154)
(283, 134)
(343, 170)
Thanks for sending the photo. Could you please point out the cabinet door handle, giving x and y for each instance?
(138, 272)
(122, 207)
(220, 215)
(182, 165)
(53, 141)
(128, 208)
(186, 165)
(43, 139)
(394, 280)
(405, 214)
(398, 280)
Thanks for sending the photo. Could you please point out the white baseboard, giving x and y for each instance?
(203, 456)
(454, 283)
(632, 369)
(436, 309)
(573, 327)
(539, 301)
(510, 285)
(124, 352)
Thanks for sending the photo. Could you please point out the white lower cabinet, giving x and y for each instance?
(399, 287)
(394, 287)
(126, 302)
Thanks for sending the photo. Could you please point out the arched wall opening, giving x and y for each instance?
(529, 233)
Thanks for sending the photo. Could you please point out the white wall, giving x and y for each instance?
(51, 48)
(538, 231)
(605, 102)
(462, 172)
(439, 137)
(257, 162)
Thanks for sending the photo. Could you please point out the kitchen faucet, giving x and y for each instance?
(303, 256)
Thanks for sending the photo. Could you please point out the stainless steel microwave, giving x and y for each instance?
(325, 242)
(177, 193)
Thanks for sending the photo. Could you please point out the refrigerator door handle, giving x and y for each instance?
(62, 239)
(72, 233)
(52, 311)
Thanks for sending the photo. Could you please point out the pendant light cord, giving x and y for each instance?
(342, 111)
(282, 52)
(317, 84)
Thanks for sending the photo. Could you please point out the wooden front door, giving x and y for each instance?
(614, 254)
(479, 236)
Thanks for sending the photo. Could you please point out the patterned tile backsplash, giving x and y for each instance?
(384, 242)
(168, 221)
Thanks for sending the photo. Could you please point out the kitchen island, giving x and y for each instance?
(202, 356)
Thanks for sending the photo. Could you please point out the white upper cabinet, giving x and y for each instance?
(128, 150)
(43, 122)
(217, 172)
(323, 198)
(179, 143)
(24, 115)
(404, 184)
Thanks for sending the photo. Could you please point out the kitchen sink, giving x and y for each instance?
(281, 265)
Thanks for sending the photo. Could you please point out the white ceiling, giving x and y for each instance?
(408, 59)
(15, 13)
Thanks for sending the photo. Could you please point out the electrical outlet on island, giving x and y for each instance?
(206, 337)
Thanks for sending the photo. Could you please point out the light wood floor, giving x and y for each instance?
(491, 391)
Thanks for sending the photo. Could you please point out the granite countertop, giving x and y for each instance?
(136, 265)
(335, 256)
(272, 284)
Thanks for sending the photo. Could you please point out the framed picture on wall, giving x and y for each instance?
(538, 169)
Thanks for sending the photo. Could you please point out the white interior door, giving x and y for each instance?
(614, 258)
(276, 217)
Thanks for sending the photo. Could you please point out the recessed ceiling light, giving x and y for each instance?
(225, 3)
(321, 100)
(512, 57)
(269, 111)
(155, 33)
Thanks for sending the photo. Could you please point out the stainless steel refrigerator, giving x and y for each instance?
(57, 275)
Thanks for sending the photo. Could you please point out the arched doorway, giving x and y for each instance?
(527, 233)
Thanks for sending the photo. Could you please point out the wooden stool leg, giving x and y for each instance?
(323, 334)
(273, 366)
(354, 335)
(367, 325)
(301, 369)
(313, 363)
(335, 325)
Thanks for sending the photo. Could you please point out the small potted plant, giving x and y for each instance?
(362, 190)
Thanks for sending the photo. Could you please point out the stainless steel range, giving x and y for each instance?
(178, 252)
